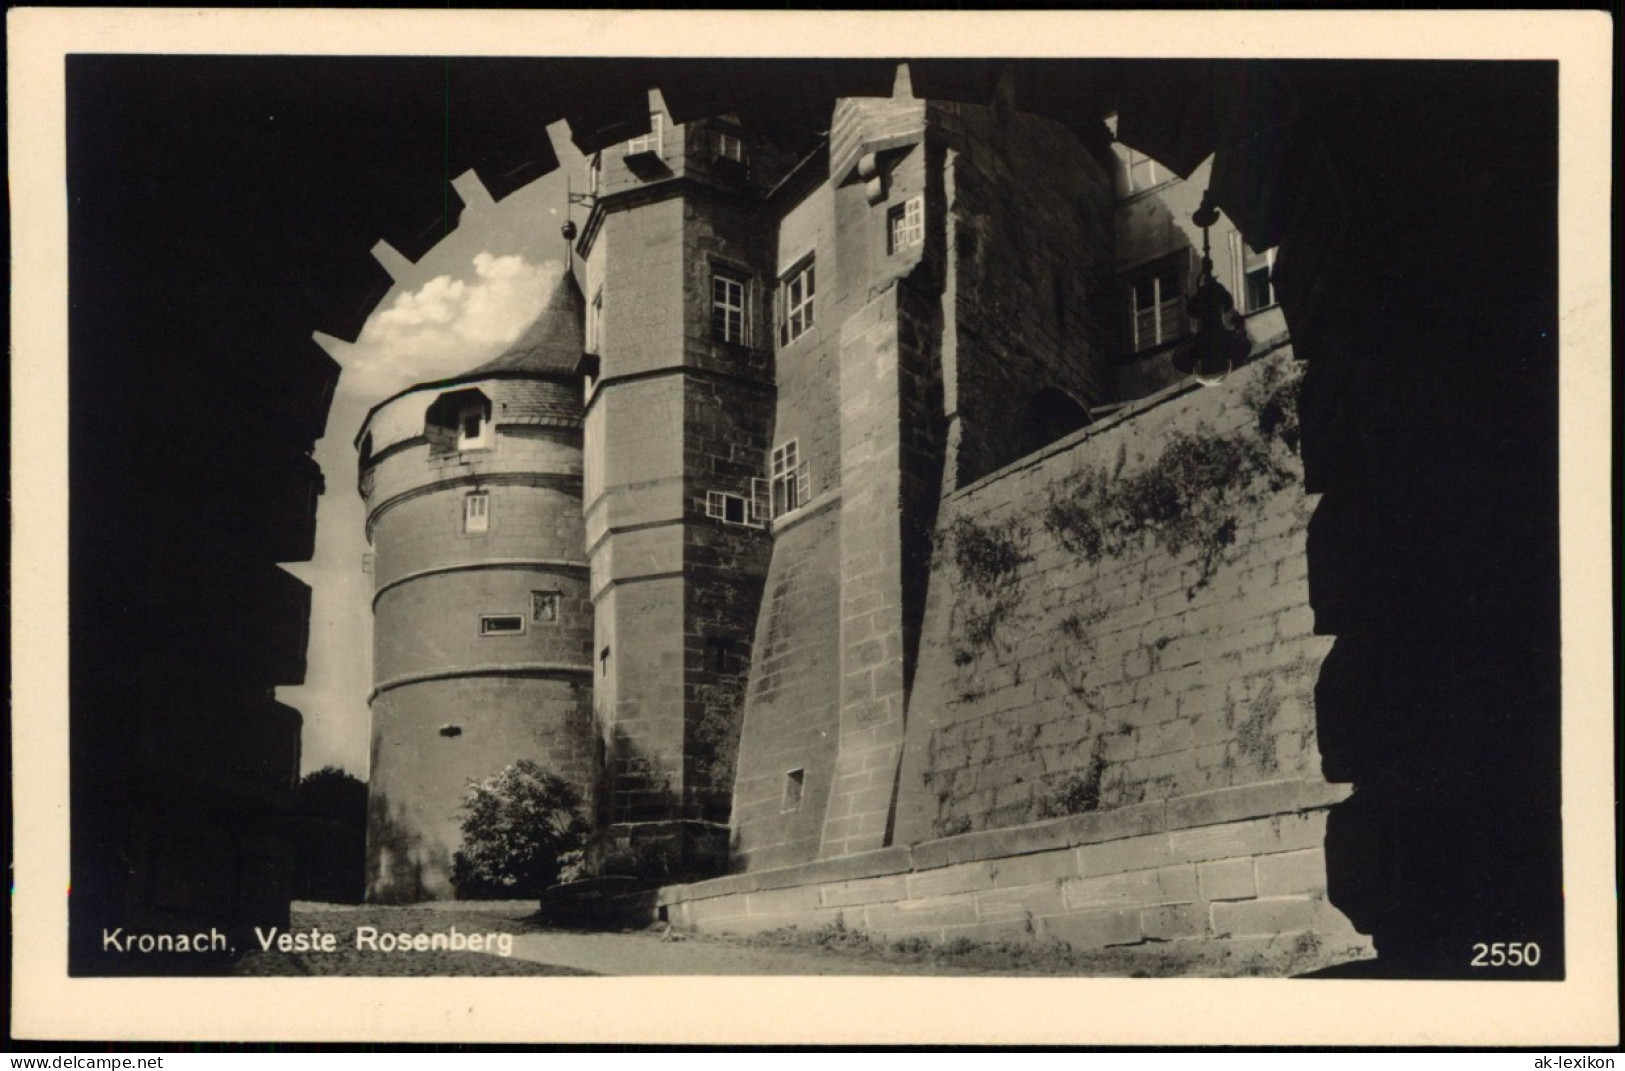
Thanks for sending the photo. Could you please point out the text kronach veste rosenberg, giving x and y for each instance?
(314, 940)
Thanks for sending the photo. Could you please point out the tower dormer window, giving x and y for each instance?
(458, 420)
(473, 430)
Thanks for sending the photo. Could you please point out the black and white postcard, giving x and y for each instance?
(1110, 506)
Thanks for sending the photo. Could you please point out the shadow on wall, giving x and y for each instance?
(402, 868)
(644, 828)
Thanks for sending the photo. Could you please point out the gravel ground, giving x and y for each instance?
(343, 921)
(538, 949)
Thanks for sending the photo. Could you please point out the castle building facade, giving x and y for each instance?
(720, 584)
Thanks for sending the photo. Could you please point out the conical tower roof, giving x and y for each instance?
(551, 344)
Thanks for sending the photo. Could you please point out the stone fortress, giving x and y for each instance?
(847, 531)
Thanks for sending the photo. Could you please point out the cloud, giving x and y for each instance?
(447, 325)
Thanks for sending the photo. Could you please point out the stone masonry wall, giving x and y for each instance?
(1030, 226)
(1234, 878)
(792, 722)
(1120, 619)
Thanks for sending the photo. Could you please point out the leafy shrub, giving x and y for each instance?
(523, 830)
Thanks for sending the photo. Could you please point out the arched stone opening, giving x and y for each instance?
(1052, 414)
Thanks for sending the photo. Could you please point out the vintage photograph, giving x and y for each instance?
(969, 515)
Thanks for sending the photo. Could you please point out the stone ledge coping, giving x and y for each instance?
(549, 565)
(1130, 411)
(1216, 807)
(807, 512)
(503, 669)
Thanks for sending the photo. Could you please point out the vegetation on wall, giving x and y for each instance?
(1273, 398)
(1054, 747)
(1192, 495)
(989, 558)
(1077, 792)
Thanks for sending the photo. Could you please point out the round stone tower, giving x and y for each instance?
(482, 618)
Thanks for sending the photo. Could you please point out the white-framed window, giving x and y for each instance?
(473, 429)
(1144, 172)
(544, 606)
(905, 224)
(796, 293)
(595, 322)
(790, 479)
(1157, 307)
(728, 323)
(502, 624)
(730, 509)
(1253, 287)
(726, 145)
(653, 141)
(477, 511)
(595, 171)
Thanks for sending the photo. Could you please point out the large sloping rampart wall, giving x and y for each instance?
(1121, 618)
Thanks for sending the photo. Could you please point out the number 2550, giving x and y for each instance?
(1506, 954)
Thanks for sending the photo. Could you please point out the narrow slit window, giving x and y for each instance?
(718, 655)
(603, 662)
(793, 784)
(502, 625)
(595, 323)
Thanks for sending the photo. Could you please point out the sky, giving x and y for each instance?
(464, 302)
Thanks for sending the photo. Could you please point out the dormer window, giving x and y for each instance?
(727, 145)
(1143, 173)
(473, 430)
(458, 420)
(653, 141)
